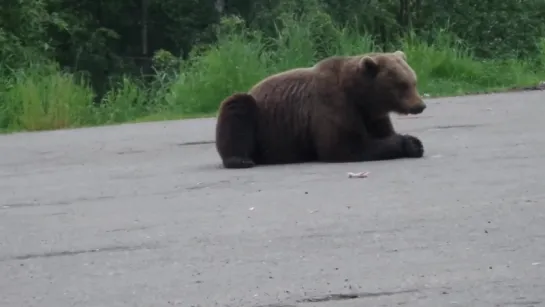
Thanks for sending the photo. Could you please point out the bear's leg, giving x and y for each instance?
(235, 131)
(339, 146)
(380, 127)
(383, 128)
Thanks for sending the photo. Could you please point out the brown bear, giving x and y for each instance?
(335, 111)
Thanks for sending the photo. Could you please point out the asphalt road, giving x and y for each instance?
(142, 215)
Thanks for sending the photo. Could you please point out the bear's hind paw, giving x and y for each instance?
(238, 162)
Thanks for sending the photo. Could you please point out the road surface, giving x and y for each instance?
(143, 215)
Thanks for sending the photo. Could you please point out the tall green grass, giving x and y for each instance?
(46, 98)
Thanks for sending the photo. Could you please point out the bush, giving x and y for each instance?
(39, 98)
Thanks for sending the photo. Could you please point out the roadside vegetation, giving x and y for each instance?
(62, 70)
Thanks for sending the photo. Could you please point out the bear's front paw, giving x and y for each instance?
(412, 147)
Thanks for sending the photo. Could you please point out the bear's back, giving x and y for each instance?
(284, 103)
(289, 104)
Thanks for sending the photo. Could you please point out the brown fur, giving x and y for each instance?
(336, 111)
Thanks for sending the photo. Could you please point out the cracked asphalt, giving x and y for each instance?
(143, 215)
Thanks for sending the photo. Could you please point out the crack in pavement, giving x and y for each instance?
(338, 297)
(351, 296)
(78, 252)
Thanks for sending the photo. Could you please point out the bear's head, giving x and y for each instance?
(390, 83)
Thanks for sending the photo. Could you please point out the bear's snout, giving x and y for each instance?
(418, 108)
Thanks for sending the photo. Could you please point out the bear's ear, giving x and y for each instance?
(369, 66)
(401, 54)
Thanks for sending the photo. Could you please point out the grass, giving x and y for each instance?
(46, 98)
